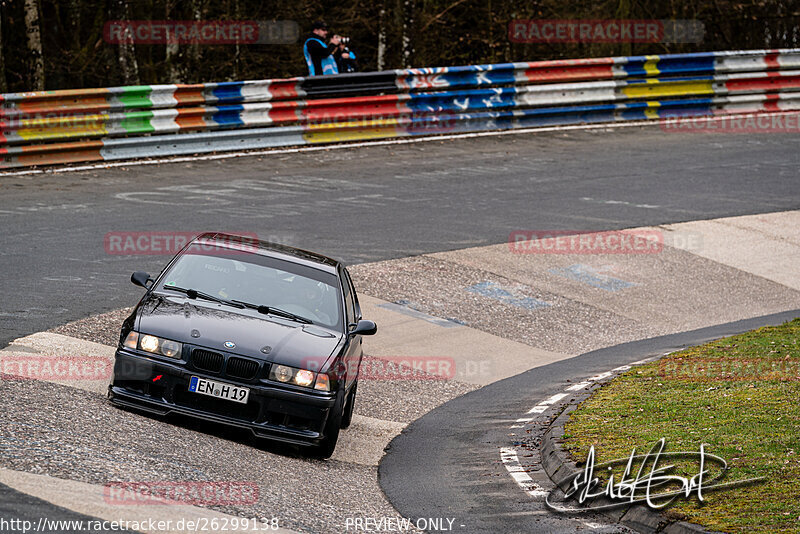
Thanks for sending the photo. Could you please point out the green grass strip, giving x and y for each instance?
(740, 396)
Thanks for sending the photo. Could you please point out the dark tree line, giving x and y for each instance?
(59, 44)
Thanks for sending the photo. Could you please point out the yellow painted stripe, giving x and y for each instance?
(656, 89)
(35, 134)
(366, 128)
(366, 122)
(354, 134)
(70, 121)
(650, 113)
(651, 66)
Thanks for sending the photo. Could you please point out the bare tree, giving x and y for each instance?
(237, 50)
(127, 50)
(198, 9)
(3, 84)
(382, 36)
(34, 43)
(172, 51)
(408, 28)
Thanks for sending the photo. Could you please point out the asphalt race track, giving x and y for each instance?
(372, 204)
(426, 228)
(459, 439)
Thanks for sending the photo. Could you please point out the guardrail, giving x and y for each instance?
(51, 127)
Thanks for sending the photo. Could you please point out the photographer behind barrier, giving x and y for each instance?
(320, 57)
(345, 58)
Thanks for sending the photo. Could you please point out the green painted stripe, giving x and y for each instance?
(137, 122)
(136, 96)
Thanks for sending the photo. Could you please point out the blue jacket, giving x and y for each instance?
(319, 57)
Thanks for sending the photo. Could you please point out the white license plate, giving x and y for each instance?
(219, 390)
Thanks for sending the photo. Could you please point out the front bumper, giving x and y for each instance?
(271, 412)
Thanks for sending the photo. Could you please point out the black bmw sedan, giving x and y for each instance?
(242, 332)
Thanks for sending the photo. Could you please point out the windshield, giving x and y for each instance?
(262, 281)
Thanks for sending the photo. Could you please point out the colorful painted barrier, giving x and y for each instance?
(51, 127)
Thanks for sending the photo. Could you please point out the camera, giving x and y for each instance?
(345, 40)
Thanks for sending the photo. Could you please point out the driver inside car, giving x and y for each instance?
(314, 302)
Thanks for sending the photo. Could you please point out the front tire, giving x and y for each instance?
(326, 447)
(347, 417)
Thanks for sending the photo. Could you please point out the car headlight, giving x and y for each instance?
(300, 377)
(154, 345)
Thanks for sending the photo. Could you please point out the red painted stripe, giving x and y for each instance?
(571, 62)
(191, 118)
(284, 89)
(770, 83)
(60, 153)
(60, 106)
(555, 74)
(358, 109)
(187, 94)
(352, 101)
(771, 104)
(771, 60)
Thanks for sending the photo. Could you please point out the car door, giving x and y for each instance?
(354, 352)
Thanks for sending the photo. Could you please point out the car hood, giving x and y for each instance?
(209, 324)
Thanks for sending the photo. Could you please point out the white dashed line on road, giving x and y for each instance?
(509, 457)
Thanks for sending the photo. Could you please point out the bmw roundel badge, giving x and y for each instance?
(230, 345)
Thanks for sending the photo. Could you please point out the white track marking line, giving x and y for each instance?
(578, 386)
(266, 152)
(600, 376)
(509, 455)
(510, 459)
(545, 404)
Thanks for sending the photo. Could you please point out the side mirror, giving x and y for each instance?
(364, 328)
(141, 278)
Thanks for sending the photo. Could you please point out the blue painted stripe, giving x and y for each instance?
(229, 91)
(497, 292)
(591, 276)
(463, 100)
(228, 115)
(409, 308)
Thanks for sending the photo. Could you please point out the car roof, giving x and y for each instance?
(253, 245)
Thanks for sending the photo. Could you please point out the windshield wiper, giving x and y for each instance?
(269, 310)
(193, 294)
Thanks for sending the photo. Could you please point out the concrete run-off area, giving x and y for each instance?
(449, 323)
